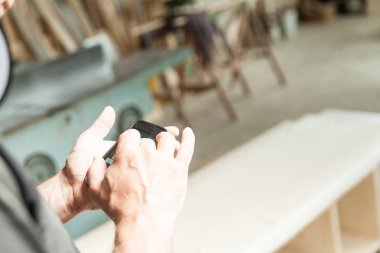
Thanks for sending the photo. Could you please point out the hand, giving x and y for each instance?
(5, 5)
(144, 189)
(66, 192)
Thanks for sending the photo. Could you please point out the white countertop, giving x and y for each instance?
(257, 197)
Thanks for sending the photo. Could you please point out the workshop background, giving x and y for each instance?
(229, 69)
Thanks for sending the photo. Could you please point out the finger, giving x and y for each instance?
(2, 10)
(186, 150)
(147, 145)
(128, 144)
(177, 146)
(96, 174)
(166, 143)
(173, 130)
(103, 124)
(8, 4)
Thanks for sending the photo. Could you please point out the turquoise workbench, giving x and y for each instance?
(49, 106)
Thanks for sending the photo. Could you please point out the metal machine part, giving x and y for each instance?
(41, 167)
(128, 116)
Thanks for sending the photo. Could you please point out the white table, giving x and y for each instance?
(260, 196)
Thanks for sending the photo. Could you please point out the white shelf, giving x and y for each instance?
(273, 191)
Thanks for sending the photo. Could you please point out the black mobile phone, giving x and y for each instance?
(146, 129)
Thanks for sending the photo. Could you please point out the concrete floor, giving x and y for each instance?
(332, 65)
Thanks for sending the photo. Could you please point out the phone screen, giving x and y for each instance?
(146, 129)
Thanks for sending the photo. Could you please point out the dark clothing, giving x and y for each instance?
(27, 223)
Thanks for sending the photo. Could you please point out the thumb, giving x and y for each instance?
(103, 124)
(96, 174)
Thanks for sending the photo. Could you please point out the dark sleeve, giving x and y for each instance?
(27, 223)
(56, 238)
(18, 233)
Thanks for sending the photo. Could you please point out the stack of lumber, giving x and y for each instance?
(41, 30)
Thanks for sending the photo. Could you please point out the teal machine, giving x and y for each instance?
(48, 106)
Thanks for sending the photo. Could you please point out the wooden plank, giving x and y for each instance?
(131, 19)
(82, 17)
(19, 51)
(354, 243)
(56, 27)
(31, 32)
(214, 7)
(93, 13)
(360, 216)
(147, 27)
(112, 21)
(322, 235)
(65, 22)
(359, 209)
(153, 8)
(9, 28)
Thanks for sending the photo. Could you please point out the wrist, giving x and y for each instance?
(144, 233)
(60, 196)
(69, 192)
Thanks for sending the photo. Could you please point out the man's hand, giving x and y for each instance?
(66, 192)
(144, 189)
(5, 5)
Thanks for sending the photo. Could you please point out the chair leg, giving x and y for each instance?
(177, 101)
(276, 68)
(263, 41)
(178, 106)
(222, 96)
(237, 74)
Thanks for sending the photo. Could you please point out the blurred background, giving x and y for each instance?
(229, 69)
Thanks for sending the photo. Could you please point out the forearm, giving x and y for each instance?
(144, 235)
(59, 196)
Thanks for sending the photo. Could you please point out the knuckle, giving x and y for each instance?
(187, 148)
(166, 136)
(130, 133)
(103, 123)
(91, 185)
(147, 142)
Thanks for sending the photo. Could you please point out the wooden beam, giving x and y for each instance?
(113, 24)
(64, 20)
(322, 235)
(82, 17)
(58, 29)
(31, 32)
(214, 7)
(19, 50)
(93, 13)
(359, 209)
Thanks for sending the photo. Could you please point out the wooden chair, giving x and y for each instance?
(250, 31)
(258, 45)
(207, 77)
